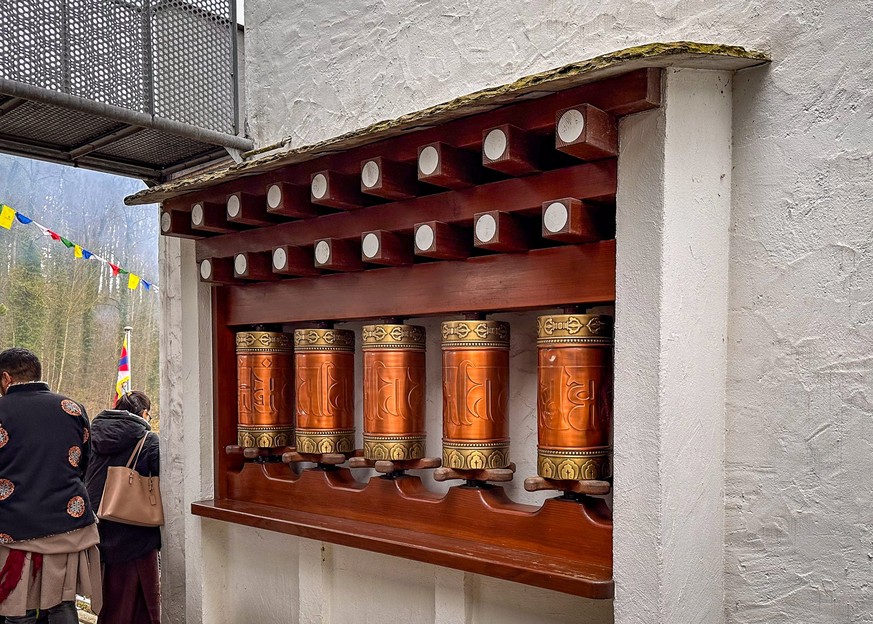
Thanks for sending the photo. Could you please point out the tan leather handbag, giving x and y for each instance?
(129, 497)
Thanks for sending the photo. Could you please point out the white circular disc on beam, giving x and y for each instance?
(206, 269)
(240, 264)
(319, 186)
(370, 245)
(274, 196)
(555, 217)
(428, 160)
(370, 174)
(280, 258)
(197, 214)
(424, 237)
(322, 252)
(233, 206)
(570, 125)
(494, 145)
(486, 228)
(165, 222)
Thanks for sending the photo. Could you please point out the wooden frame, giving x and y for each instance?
(566, 544)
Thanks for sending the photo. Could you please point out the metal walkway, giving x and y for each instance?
(143, 88)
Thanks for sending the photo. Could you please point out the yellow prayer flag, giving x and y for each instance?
(7, 217)
(77, 251)
(132, 281)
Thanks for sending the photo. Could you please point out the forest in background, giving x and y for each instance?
(72, 311)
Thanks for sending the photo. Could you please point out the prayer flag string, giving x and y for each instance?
(8, 216)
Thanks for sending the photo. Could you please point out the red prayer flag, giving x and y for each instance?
(114, 268)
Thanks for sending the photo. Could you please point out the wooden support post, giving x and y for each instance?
(499, 231)
(388, 178)
(217, 271)
(336, 190)
(497, 475)
(447, 166)
(211, 217)
(294, 261)
(290, 200)
(388, 248)
(177, 223)
(572, 221)
(510, 149)
(539, 484)
(336, 254)
(248, 209)
(436, 239)
(586, 132)
(254, 265)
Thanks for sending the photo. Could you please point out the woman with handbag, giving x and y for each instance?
(131, 586)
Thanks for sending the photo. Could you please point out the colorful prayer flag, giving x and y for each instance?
(77, 251)
(86, 254)
(123, 383)
(132, 281)
(66, 243)
(22, 219)
(7, 217)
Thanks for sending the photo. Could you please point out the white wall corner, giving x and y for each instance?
(672, 231)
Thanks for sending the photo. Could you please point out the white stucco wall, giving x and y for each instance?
(798, 515)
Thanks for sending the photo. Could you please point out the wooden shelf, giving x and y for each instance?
(471, 529)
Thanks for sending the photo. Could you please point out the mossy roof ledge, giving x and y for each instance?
(676, 54)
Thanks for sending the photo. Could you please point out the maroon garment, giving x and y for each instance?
(132, 592)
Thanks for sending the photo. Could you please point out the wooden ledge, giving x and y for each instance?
(652, 55)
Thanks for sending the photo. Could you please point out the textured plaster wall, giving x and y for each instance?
(799, 421)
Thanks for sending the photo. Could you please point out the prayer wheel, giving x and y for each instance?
(265, 376)
(574, 401)
(394, 392)
(475, 394)
(325, 371)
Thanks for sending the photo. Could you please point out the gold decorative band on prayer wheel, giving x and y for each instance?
(325, 384)
(394, 391)
(265, 389)
(475, 394)
(574, 400)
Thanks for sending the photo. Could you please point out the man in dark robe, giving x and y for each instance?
(48, 534)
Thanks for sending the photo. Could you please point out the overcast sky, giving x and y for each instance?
(240, 14)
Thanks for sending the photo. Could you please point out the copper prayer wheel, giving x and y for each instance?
(394, 391)
(475, 394)
(265, 404)
(574, 399)
(325, 370)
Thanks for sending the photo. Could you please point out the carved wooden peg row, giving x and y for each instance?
(510, 149)
(290, 200)
(388, 178)
(336, 254)
(254, 265)
(572, 221)
(447, 166)
(248, 209)
(211, 217)
(436, 239)
(336, 190)
(388, 248)
(499, 231)
(217, 271)
(586, 132)
(293, 261)
(177, 223)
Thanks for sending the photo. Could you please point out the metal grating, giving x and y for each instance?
(142, 87)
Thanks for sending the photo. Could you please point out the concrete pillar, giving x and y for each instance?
(673, 215)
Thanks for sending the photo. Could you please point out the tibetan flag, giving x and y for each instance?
(123, 383)
(132, 281)
(22, 219)
(7, 217)
(114, 268)
(86, 254)
(77, 251)
(66, 243)
(54, 236)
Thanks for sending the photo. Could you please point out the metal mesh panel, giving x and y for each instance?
(66, 128)
(156, 148)
(170, 58)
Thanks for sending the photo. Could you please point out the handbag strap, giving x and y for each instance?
(134, 457)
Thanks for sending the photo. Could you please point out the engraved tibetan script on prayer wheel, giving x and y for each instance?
(475, 394)
(574, 400)
(265, 401)
(325, 370)
(394, 391)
